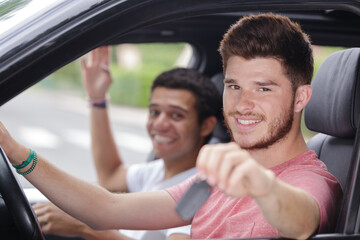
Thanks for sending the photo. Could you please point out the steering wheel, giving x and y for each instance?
(16, 203)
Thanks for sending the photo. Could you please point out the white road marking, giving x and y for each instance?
(127, 140)
(80, 138)
(38, 137)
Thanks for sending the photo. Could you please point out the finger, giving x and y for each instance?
(43, 208)
(214, 156)
(104, 58)
(211, 159)
(202, 158)
(41, 220)
(95, 57)
(38, 205)
(84, 63)
(201, 162)
(46, 228)
(40, 211)
(230, 161)
(238, 182)
(104, 55)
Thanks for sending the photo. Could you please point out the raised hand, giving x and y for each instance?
(96, 76)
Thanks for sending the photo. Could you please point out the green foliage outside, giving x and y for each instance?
(130, 87)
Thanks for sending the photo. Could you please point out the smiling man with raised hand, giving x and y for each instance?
(266, 183)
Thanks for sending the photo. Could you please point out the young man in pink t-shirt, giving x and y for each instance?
(265, 183)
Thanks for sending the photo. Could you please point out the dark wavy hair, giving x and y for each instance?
(275, 36)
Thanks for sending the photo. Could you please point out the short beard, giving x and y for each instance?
(277, 131)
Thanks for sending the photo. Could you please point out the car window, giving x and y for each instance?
(52, 116)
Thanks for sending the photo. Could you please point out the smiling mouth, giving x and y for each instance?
(247, 122)
(162, 139)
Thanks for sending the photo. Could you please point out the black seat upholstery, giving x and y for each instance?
(333, 112)
(220, 133)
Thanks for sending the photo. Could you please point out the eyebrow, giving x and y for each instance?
(258, 83)
(171, 106)
(266, 83)
(229, 80)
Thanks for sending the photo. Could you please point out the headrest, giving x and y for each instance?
(220, 133)
(218, 81)
(334, 106)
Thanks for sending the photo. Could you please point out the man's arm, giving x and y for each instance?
(92, 204)
(292, 211)
(96, 79)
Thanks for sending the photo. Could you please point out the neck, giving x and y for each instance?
(177, 165)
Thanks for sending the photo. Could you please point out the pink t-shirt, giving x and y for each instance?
(225, 217)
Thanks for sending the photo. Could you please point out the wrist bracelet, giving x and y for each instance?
(26, 162)
(99, 103)
(32, 167)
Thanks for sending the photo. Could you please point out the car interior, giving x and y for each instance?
(333, 111)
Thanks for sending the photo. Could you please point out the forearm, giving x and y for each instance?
(292, 211)
(100, 209)
(73, 195)
(108, 162)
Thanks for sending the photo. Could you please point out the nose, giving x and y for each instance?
(161, 122)
(245, 101)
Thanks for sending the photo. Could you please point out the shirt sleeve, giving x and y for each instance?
(142, 177)
(177, 191)
(135, 177)
(325, 190)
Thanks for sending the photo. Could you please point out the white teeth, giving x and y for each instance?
(162, 139)
(248, 122)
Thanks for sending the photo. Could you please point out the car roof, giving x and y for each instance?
(68, 29)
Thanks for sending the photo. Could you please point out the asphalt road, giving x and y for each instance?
(56, 125)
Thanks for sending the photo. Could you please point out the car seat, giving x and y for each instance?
(333, 112)
(220, 133)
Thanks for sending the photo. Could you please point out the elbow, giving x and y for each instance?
(300, 236)
(305, 235)
(305, 232)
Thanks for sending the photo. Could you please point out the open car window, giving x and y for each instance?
(53, 115)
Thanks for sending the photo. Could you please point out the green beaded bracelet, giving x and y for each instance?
(32, 167)
(26, 162)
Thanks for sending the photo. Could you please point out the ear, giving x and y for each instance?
(302, 97)
(208, 126)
